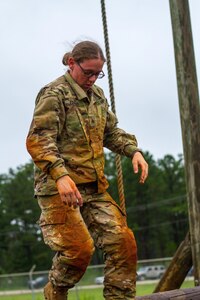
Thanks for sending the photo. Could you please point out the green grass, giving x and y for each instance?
(91, 294)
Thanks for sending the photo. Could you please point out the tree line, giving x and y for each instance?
(156, 212)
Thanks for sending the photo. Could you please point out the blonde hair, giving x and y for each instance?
(84, 50)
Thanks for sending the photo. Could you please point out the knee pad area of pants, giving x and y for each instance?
(121, 246)
(78, 255)
(128, 243)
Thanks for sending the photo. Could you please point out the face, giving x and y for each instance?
(80, 71)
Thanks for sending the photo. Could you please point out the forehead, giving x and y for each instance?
(95, 63)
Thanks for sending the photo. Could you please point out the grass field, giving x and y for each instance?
(91, 294)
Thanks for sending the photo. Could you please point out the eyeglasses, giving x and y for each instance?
(89, 73)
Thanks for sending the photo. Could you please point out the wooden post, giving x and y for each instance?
(190, 118)
(184, 294)
(178, 268)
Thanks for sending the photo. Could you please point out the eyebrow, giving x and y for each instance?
(90, 70)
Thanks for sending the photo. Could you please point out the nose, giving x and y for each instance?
(93, 78)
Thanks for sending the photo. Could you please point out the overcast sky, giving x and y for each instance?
(34, 36)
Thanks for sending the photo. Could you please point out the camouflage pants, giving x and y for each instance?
(72, 233)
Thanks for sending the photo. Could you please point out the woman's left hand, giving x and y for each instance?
(138, 161)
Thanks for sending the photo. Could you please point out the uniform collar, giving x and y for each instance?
(80, 93)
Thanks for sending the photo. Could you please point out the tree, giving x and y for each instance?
(20, 235)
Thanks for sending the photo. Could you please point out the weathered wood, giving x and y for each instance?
(182, 294)
(190, 118)
(177, 269)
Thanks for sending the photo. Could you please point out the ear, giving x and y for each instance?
(71, 63)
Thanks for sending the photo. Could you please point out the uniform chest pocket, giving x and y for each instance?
(75, 125)
(100, 121)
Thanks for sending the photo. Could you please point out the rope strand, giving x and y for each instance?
(112, 99)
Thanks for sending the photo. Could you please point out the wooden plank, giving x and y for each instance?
(178, 268)
(190, 118)
(182, 294)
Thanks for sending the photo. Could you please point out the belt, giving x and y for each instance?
(88, 188)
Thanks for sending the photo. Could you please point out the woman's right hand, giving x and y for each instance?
(69, 192)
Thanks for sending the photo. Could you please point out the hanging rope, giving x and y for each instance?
(112, 99)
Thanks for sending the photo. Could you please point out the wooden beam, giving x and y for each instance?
(182, 294)
(190, 118)
(177, 269)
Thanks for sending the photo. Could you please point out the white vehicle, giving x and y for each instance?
(150, 272)
(39, 282)
(99, 280)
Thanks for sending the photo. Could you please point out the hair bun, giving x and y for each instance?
(65, 58)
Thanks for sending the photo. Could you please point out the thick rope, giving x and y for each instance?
(112, 99)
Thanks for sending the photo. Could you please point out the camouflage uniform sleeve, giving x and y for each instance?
(117, 140)
(44, 131)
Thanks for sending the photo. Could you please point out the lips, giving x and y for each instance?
(88, 86)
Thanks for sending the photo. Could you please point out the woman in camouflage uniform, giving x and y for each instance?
(70, 127)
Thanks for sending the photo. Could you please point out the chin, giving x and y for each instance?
(86, 88)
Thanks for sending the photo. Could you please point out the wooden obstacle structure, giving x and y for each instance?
(188, 253)
(182, 294)
(178, 269)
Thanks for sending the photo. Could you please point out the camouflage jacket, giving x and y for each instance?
(68, 132)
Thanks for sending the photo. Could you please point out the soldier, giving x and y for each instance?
(71, 125)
